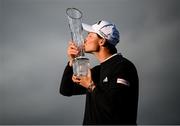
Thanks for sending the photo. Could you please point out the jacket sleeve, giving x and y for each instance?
(67, 86)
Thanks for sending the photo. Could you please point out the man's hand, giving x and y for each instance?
(72, 52)
(84, 81)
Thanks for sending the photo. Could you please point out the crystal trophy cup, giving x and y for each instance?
(80, 63)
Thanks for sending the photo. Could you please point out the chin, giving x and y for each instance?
(86, 51)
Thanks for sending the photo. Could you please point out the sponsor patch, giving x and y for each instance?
(122, 81)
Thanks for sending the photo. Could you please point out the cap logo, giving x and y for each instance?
(102, 33)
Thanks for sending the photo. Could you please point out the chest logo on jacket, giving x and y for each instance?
(105, 80)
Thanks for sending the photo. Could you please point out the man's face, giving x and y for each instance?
(92, 43)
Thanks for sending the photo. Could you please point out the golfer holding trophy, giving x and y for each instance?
(111, 87)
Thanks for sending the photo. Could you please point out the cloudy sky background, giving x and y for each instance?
(33, 41)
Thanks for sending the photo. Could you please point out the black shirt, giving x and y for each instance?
(115, 98)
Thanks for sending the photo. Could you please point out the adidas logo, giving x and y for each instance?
(105, 79)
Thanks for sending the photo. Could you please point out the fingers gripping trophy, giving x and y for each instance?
(80, 62)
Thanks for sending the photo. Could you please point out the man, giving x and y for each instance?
(111, 88)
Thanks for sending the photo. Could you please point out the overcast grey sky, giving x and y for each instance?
(33, 40)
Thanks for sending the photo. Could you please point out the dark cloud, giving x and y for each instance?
(34, 36)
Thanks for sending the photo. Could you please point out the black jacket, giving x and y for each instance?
(115, 98)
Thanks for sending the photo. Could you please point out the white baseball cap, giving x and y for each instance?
(105, 29)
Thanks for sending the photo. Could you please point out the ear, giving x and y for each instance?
(102, 42)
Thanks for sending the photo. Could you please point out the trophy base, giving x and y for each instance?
(80, 66)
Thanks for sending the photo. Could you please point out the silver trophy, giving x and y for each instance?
(80, 63)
